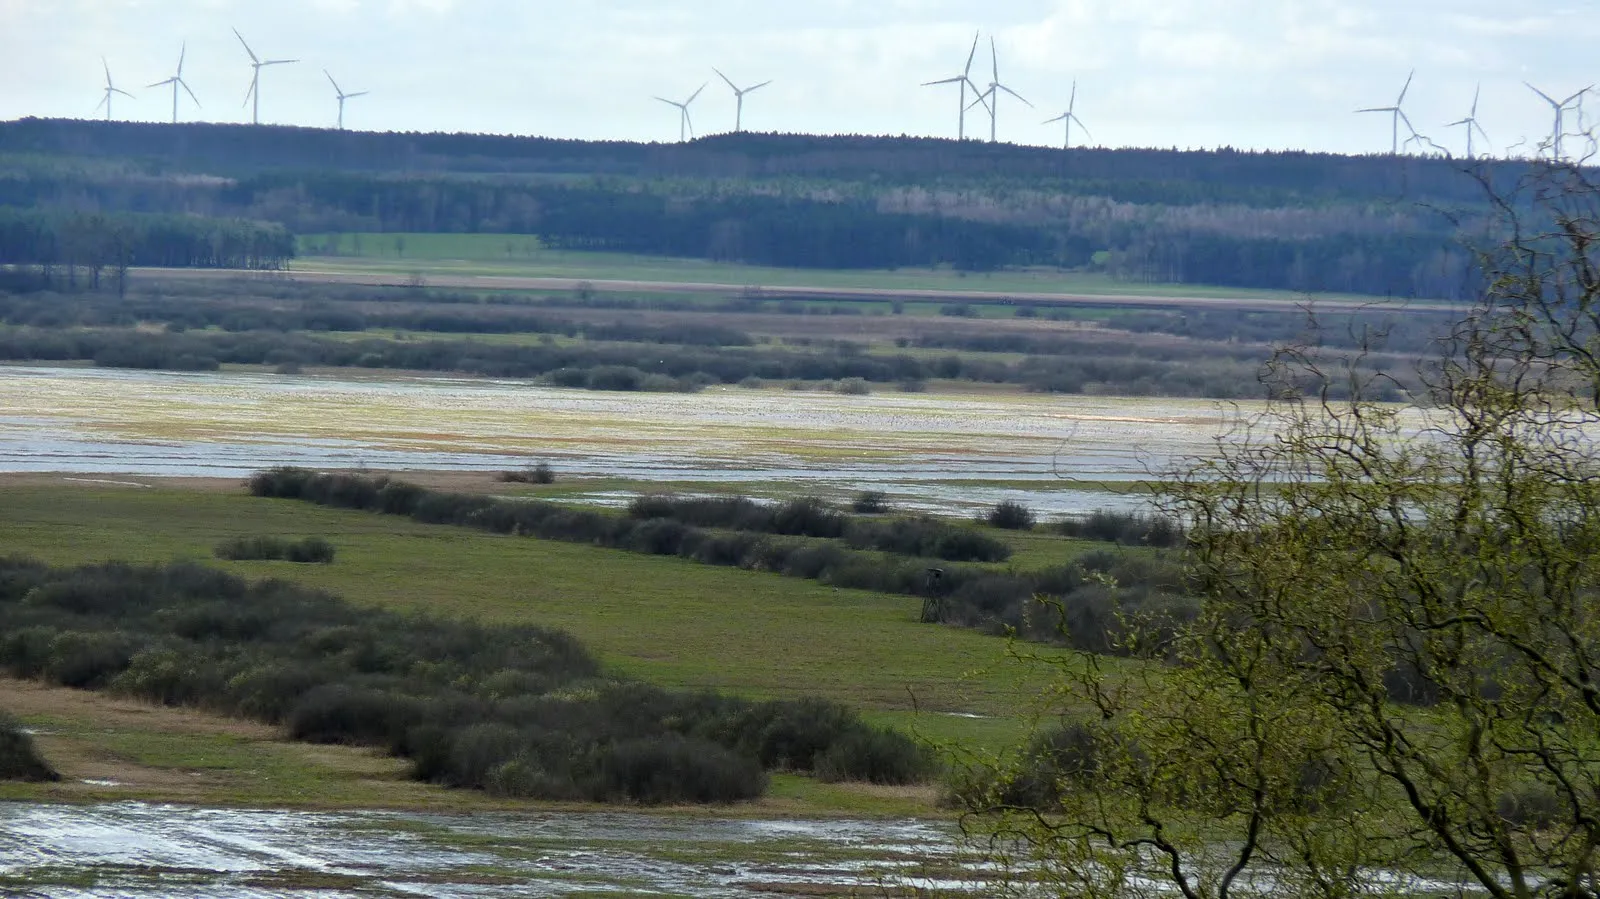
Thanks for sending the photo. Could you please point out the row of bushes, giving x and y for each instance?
(611, 366)
(276, 549)
(1125, 528)
(521, 711)
(1100, 601)
(810, 517)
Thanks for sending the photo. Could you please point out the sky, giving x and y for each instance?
(1251, 74)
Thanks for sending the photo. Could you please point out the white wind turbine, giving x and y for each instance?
(965, 80)
(685, 124)
(1398, 116)
(1069, 117)
(738, 120)
(342, 97)
(110, 89)
(1561, 109)
(177, 81)
(991, 97)
(1471, 123)
(255, 79)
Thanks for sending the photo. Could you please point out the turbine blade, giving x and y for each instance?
(279, 62)
(725, 78)
(122, 92)
(334, 83)
(103, 101)
(107, 67)
(1015, 94)
(1462, 122)
(758, 87)
(1083, 126)
(1476, 91)
(357, 94)
(1409, 126)
(955, 80)
(189, 92)
(1059, 118)
(182, 52)
(994, 57)
(670, 102)
(1544, 95)
(974, 54)
(1074, 101)
(160, 83)
(688, 120)
(693, 96)
(247, 49)
(1378, 109)
(1403, 90)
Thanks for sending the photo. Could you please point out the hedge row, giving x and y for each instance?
(810, 517)
(1099, 602)
(520, 711)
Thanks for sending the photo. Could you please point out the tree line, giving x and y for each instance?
(55, 247)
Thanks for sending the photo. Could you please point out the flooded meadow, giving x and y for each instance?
(934, 451)
(132, 849)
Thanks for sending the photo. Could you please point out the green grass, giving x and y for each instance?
(520, 255)
(665, 620)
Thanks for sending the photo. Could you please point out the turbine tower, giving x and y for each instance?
(177, 81)
(685, 124)
(738, 120)
(255, 78)
(965, 80)
(1471, 123)
(110, 89)
(342, 97)
(1561, 111)
(1069, 117)
(991, 97)
(1398, 115)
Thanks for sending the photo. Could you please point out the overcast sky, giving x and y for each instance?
(1265, 74)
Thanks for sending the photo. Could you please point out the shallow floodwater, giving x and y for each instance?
(926, 449)
(137, 849)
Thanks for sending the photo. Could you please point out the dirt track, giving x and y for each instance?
(497, 282)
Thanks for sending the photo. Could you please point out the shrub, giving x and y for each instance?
(676, 769)
(1126, 528)
(870, 502)
(541, 473)
(19, 758)
(873, 756)
(310, 550)
(1011, 516)
(853, 387)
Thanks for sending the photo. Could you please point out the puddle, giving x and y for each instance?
(137, 849)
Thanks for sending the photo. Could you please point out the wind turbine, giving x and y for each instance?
(255, 78)
(1471, 121)
(738, 121)
(110, 89)
(342, 97)
(1398, 116)
(685, 124)
(1069, 117)
(965, 80)
(992, 95)
(1561, 110)
(177, 81)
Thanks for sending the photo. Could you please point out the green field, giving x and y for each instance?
(666, 620)
(522, 256)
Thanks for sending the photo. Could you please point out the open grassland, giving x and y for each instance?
(665, 620)
(521, 256)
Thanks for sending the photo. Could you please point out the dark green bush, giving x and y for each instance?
(541, 473)
(1011, 516)
(1126, 528)
(310, 550)
(19, 758)
(870, 502)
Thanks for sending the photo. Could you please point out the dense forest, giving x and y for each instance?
(1375, 225)
(54, 243)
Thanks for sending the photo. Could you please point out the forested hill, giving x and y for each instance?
(1294, 221)
(1179, 175)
